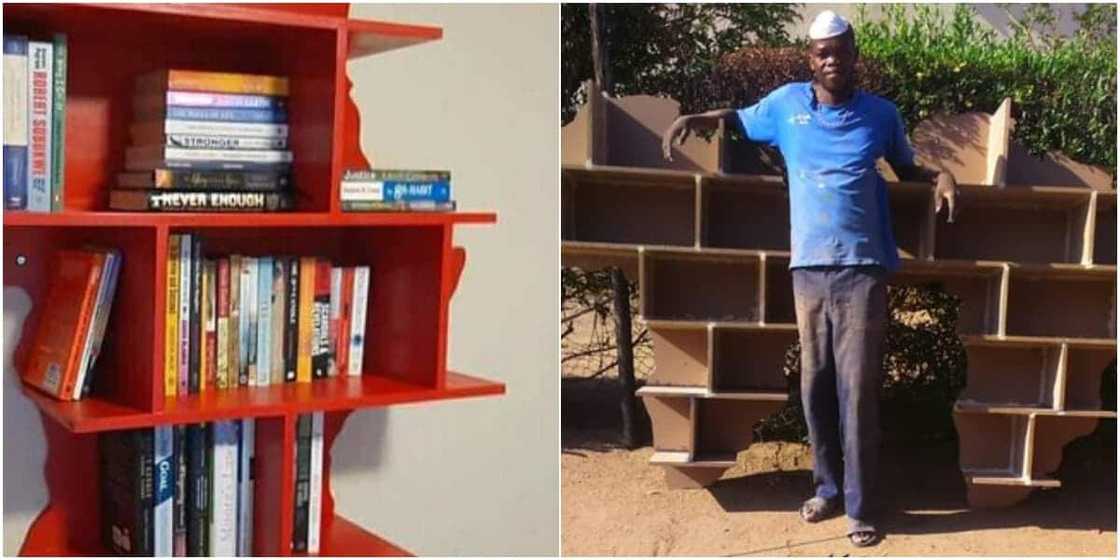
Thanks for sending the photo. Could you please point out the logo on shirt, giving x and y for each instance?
(800, 118)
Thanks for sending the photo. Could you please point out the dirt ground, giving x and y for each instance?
(615, 503)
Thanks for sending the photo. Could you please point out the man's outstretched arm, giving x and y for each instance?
(946, 189)
(687, 124)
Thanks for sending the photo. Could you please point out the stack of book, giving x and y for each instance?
(73, 322)
(238, 320)
(396, 190)
(34, 122)
(207, 142)
(183, 490)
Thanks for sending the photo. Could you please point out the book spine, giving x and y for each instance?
(384, 191)
(358, 327)
(78, 352)
(196, 317)
(320, 356)
(206, 180)
(40, 58)
(198, 490)
(180, 502)
(174, 201)
(137, 164)
(58, 122)
(222, 342)
(145, 132)
(264, 321)
(345, 320)
(185, 279)
(245, 476)
(199, 141)
(171, 321)
(208, 99)
(315, 492)
(335, 318)
(103, 319)
(15, 121)
(303, 483)
(225, 114)
(291, 327)
(222, 82)
(96, 334)
(210, 269)
(203, 321)
(224, 463)
(306, 304)
(248, 313)
(397, 206)
(422, 175)
(234, 373)
(164, 492)
(207, 155)
(278, 296)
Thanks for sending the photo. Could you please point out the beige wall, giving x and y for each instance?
(475, 477)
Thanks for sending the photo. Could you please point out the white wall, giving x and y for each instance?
(475, 477)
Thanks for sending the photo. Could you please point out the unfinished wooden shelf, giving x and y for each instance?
(1033, 267)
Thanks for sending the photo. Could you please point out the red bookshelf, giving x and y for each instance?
(415, 265)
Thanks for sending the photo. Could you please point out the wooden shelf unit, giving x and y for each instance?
(415, 265)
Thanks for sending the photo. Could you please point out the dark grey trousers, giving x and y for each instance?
(841, 322)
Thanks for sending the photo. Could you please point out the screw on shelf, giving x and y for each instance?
(21, 260)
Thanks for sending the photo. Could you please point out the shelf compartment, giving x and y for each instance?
(1062, 301)
(1082, 382)
(726, 426)
(777, 298)
(99, 96)
(683, 355)
(1051, 435)
(913, 219)
(751, 360)
(700, 286)
(1030, 225)
(1104, 229)
(122, 376)
(744, 213)
(600, 256)
(673, 422)
(639, 208)
(94, 414)
(1013, 375)
(992, 445)
(978, 286)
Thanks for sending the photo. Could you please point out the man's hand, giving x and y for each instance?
(677, 133)
(946, 190)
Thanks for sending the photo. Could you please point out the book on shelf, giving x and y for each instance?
(210, 325)
(187, 180)
(218, 114)
(249, 312)
(222, 380)
(398, 206)
(210, 142)
(315, 486)
(15, 121)
(40, 60)
(335, 319)
(224, 463)
(173, 79)
(156, 131)
(301, 513)
(264, 320)
(196, 349)
(278, 297)
(358, 323)
(171, 319)
(198, 490)
(185, 290)
(198, 201)
(236, 327)
(179, 434)
(163, 497)
(399, 175)
(58, 122)
(393, 191)
(321, 316)
(153, 157)
(306, 305)
(126, 460)
(291, 324)
(246, 453)
(155, 102)
(71, 324)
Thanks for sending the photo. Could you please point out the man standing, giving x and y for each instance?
(842, 251)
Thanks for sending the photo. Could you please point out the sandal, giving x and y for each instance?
(817, 509)
(863, 539)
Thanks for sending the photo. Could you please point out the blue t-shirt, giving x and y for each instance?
(838, 205)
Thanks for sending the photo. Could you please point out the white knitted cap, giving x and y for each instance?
(827, 24)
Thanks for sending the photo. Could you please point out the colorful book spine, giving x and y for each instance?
(388, 191)
(210, 270)
(205, 180)
(198, 491)
(407, 175)
(320, 346)
(133, 164)
(235, 324)
(145, 156)
(248, 316)
(219, 82)
(306, 305)
(300, 523)
(15, 122)
(180, 504)
(278, 296)
(155, 131)
(185, 278)
(203, 321)
(315, 490)
(96, 333)
(40, 59)
(171, 320)
(210, 99)
(224, 463)
(245, 476)
(177, 201)
(335, 318)
(58, 122)
(347, 298)
(225, 114)
(199, 141)
(397, 206)
(264, 321)
(291, 328)
(196, 317)
(358, 327)
(163, 506)
(127, 474)
(222, 378)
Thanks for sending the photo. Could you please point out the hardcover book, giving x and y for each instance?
(291, 328)
(163, 499)
(306, 319)
(224, 462)
(106, 293)
(321, 314)
(185, 282)
(158, 101)
(15, 122)
(40, 59)
(199, 201)
(127, 481)
(145, 133)
(186, 180)
(171, 320)
(198, 490)
(397, 206)
(172, 79)
(301, 522)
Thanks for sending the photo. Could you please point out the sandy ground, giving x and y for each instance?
(615, 503)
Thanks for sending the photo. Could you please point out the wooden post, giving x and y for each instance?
(625, 356)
